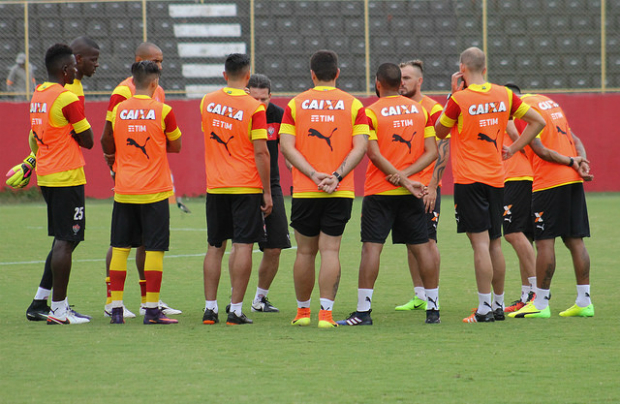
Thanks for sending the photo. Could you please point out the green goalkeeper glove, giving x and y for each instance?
(19, 176)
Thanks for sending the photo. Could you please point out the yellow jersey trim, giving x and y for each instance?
(234, 190)
(143, 199)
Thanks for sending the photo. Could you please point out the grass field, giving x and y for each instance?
(397, 360)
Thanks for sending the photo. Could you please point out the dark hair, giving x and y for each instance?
(83, 42)
(144, 72)
(324, 64)
(513, 87)
(237, 64)
(388, 74)
(259, 81)
(414, 63)
(56, 56)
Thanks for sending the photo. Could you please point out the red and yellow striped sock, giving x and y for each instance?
(108, 299)
(143, 291)
(118, 274)
(153, 269)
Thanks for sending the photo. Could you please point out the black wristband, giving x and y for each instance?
(572, 161)
(338, 176)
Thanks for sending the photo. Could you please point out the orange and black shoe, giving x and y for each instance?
(155, 316)
(326, 320)
(234, 319)
(210, 317)
(303, 317)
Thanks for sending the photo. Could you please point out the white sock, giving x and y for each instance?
(304, 305)
(211, 305)
(260, 293)
(432, 299)
(236, 308)
(364, 299)
(532, 281)
(583, 296)
(525, 292)
(419, 292)
(484, 303)
(42, 294)
(117, 303)
(59, 309)
(498, 302)
(542, 298)
(327, 304)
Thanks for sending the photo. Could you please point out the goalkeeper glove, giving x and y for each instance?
(19, 176)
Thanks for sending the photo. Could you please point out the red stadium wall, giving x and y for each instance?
(587, 113)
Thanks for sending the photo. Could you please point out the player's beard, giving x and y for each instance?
(409, 94)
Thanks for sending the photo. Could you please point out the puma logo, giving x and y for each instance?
(368, 299)
(219, 140)
(316, 133)
(560, 130)
(38, 139)
(132, 142)
(398, 138)
(433, 301)
(482, 136)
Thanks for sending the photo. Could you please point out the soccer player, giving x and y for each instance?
(402, 143)
(411, 87)
(124, 91)
(86, 52)
(559, 206)
(59, 131)
(143, 131)
(238, 184)
(517, 223)
(276, 223)
(480, 111)
(324, 135)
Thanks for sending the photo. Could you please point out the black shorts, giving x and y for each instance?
(432, 218)
(146, 224)
(234, 216)
(517, 216)
(560, 212)
(311, 216)
(402, 214)
(276, 224)
(66, 217)
(478, 208)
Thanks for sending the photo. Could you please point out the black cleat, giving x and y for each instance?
(233, 319)
(117, 316)
(498, 314)
(210, 317)
(432, 317)
(357, 318)
(264, 306)
(38, 310)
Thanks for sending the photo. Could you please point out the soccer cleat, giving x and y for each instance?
(326, 320)
(414, 304)
(156, 316)
(167, 310)
(498, 314)
(357, 318)
(107, 312)
(117, 316)
(38, 310)
(303, 317)
(76, 314)
(514, 306)
(234, 319)
(264, 306)
(530, 311)
(210, 317)
(68, 319)
(576, 311)
(432, 317)
(480, 318)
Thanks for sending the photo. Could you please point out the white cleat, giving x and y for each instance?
(167, 310)
(70, 318)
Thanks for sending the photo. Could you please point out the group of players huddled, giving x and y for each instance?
(516, 164)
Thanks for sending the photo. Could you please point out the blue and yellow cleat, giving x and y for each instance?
(576, 311)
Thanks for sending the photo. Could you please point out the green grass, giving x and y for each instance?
(397, 360)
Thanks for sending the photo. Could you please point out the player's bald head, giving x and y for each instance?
(149, 51)
(473, 59)
(83, 44)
